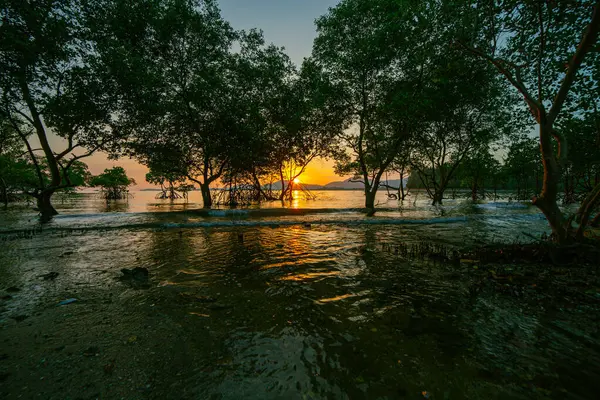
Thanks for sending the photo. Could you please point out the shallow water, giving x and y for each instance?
(498, 220)
(261, 305)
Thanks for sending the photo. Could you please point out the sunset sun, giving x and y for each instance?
(296, 180)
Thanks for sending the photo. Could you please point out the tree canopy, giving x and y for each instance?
(52, 83)
(113, 182)
(443, 89)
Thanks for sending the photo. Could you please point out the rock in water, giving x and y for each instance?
(138, 273)
(137, 277)
(50, 276)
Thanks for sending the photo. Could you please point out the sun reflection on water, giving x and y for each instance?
(309, 276)
(336, 298)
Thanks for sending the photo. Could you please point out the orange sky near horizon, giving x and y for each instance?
(318, 172)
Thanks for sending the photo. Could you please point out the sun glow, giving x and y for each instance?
(296, 180)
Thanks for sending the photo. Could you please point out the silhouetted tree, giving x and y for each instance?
(465, 116)
(114, 183)
(522, 166)
(545, 50)
(377, 53)
(479, 171)
(51, 83)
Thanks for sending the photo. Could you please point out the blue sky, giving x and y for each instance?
(287, 23)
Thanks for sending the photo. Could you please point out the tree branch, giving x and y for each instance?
(536, 107)
(589, 39)
(540, 54)
(34, 160)
(89, 153)
(69, 148)
(22, 114)
(562, 146)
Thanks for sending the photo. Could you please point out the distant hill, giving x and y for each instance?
(394, 182)
(309, 186)
(347, 185)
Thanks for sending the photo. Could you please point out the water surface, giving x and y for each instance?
(316, 305)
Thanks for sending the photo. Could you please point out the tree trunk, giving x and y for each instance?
(546, 202)
(438, 195)
(259, 190)
(206, 196)
(555, 218)
(596, 221)
(370, 201)
(439, 190)
(483, 189)
(4, 194)
(585, 210)
(41, 132)
(371, 192)
(401, 193)
(567, 198)
(45, 207)
(283, 187)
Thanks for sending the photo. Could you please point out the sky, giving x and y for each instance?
(287, 23)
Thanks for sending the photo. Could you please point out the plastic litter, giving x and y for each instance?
(67, 301)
